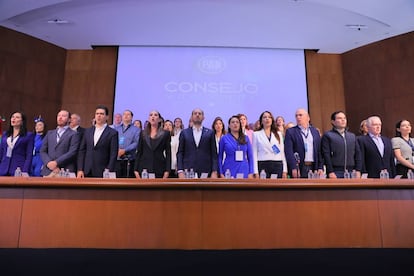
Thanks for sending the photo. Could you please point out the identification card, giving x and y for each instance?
(275, 149)
(239, 155)
(121, 140)
(9, 152)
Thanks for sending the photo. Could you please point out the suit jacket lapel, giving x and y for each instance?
(63, 137)
(104, 133)
(158, 140)
(371, 141)
(148, 141)
(53, 138)
(300, 136)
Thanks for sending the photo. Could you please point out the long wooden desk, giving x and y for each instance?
(205, 213)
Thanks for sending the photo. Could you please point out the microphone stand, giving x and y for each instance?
(128, 168)
(297, 168)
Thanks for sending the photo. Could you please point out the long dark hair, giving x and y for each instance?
(223, 130)
(397, 126)
(147, 129)
(242, 136)
(273, 127)
(23, 127)
(172, 129)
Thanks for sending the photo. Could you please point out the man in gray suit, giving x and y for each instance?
(60, 147)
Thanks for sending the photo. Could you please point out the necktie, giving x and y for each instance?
(59, 134)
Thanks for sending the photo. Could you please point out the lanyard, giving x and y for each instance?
(410, 143)
(305, 134)
(124, 130)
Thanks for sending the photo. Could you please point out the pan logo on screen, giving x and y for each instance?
(211, 64)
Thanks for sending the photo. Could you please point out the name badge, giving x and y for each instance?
(275, 149)
(239, 155)
(121, 140)
(9, 152)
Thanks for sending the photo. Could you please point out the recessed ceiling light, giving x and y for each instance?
(58, 21)
(356, 26)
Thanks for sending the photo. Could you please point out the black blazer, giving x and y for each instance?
(154, 154)
(93, 160)
(203, 159)
(372, 162)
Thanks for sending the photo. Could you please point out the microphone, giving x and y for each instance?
(297, 158)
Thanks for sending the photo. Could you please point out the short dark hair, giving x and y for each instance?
(333, 115)
(127, 110)
(104, 108)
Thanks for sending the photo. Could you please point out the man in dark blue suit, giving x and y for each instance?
(376, 150)
(302, 147)
(197, 148)
(99, 147)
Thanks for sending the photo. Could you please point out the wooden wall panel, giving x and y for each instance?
(379, 81)
(325, 87)
(89, 80)
(397, 213)
(11, 202)
(31, 76)
(290, 219)
(111, 219)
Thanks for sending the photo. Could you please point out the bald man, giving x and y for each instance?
(302, 147)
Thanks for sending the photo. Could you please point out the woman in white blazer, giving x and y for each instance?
(268, 148)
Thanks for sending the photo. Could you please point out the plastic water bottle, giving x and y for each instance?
(410, 174)
(144, 174)
(191, 174)
(315, 174)
(227, 174)
(346, 174)
(353, 174)
(263, 174)
(310, 174)
(382, 174)
(18, 172)
(186, 173)
(67, 173)
(62, 172)
(386, 174)
(106, 173)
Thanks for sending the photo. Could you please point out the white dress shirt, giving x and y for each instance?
(197, 134)
(97, 134)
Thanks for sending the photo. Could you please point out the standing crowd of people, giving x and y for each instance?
(166, 149)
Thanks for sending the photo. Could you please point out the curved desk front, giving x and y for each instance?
(206, 213)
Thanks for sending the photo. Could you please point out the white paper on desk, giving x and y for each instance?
(273, 176)
(72, 175)
(397, 176)
(364, 176)
(240, 175)
(112, 175)
(25, 174)
(204, 175)
(151, 175)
